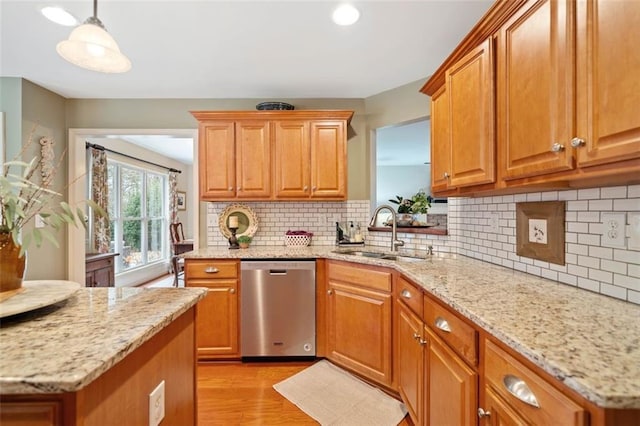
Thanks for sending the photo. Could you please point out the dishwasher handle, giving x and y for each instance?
(277, 272)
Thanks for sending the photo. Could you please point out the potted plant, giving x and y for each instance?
(23, 197)
(418, 204)
(244, 241)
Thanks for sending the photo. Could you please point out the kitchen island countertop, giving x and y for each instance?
(585, 340)
(64, 347)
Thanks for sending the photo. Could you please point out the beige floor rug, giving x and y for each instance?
(333, 396)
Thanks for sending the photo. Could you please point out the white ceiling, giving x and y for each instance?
(240, 49)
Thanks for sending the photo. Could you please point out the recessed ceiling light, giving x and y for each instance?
(59, 16)
(345, 14)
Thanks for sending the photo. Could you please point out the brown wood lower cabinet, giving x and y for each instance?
(452, 395)
(410, 354)
(100, 270)
(359, 322)
(217, 331)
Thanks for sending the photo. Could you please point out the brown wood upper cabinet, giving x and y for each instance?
(546, 126)
(310, 159)
(566, 90)
(280, 155)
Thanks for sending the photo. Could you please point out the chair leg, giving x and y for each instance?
(174, 264)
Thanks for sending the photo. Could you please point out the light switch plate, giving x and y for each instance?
(634, 231)
(613, 229)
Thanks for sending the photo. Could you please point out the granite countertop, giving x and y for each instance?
(589, 342)
(64, 347)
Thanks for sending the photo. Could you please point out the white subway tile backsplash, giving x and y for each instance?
(609, 271)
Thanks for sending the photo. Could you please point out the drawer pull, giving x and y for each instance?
(482, 413)
(518, 388)
(211, 270)
(443, 325)
(406, 294)
(416, 336)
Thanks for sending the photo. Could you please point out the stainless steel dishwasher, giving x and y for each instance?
(278, 308)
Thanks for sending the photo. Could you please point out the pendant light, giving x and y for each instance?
(90, 46)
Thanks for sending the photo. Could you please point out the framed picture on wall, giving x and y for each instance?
(182, 200)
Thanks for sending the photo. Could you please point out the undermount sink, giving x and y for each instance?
(378, 255)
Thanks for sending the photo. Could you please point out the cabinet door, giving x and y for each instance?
(217, 160)
(446, 370)
(217, 319)
(292, 156)
(608, 63)
(469, 84)
(498, 412)
(410, 353)
(253, 159)
(536, 89)
(359, 328)
(328, 160)
(440, 143)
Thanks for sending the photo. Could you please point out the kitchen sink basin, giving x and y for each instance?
(378, 255)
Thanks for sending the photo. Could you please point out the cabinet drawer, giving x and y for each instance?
(369, 278)
(459, 335)
(210, 269)
(94, 265)
(503, 372)
(410, 294)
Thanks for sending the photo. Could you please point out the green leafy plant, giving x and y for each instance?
(244, 239)
(419, 203)
(22, 199)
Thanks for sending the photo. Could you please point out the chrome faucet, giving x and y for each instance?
(395, 242)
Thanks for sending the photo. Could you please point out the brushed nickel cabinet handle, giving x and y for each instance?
(482, 413)
(211, 270)
(231, 188)
(556, 147)
(443, 325)
(329, 292)
(406, 294)
(518, 388)
(313, 188)
(305, 188)
(422, 342)
(232, 290)
(577, 142)
(445, 175)
(416, 336)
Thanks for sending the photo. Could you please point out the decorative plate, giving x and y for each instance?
(37, 294)
(247, 220)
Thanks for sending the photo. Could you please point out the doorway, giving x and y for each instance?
(78, 187)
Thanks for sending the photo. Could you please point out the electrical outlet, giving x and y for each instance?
(212, 219)
(39, 221)
(494, 222)
(613, 229)
(156, 405)
(634, 231)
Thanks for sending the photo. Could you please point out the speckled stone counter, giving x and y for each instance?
(588, 341)
(64, 347)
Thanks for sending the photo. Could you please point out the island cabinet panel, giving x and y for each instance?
(100, 270)
(536, 89)
(120, 396)
(359, 322)
(470, 85)
(217, 331)
(608, 63)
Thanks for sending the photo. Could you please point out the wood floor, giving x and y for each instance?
(242, 394)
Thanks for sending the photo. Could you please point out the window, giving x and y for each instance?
(137, 208)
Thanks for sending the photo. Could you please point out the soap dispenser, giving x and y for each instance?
(358, 238)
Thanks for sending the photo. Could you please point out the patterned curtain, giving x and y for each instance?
(173, 197)
(100, 195)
